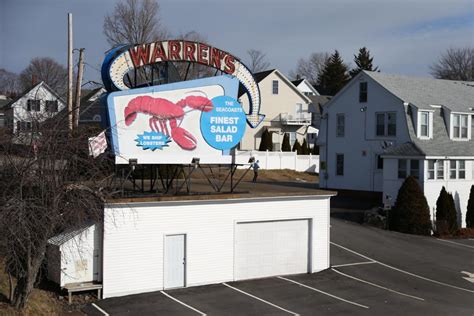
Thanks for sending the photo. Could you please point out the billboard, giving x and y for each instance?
(125, 58)
(174, 123)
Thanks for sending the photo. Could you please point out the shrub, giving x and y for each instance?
(452, 216)
(442, 209)
(297, 148)
(285, 145)
(305, 148)
(266, 142)
(470, 209)
(411, 213)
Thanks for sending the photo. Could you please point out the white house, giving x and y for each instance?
(381, 128)
(305, 86)
(286, 110)
(315, 107)
(90, 111)
(32, 107)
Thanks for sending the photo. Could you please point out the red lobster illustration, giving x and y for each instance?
(163, 110)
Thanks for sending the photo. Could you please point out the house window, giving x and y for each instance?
(415, 168)
(340, 124)
(275, 86)
(424, 124)
(363, 92)
(461, 169)
(51, 106)
(292, 138)
(379, 162)
(339, 164)
(402, 168)
(452, 169)
(380, 118)
(386, 124)
(431, 169)
(460, 122)
(33, 105)
(391, 124)
(440, 169)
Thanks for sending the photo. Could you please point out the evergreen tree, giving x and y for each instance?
(297, 147)
(442, 209)
(363, 61)
(315, 150)
(305, 148)
(285, 146)
(411, 213)
(334, 75)
(470, 209)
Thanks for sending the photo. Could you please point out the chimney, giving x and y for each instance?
(33, 80)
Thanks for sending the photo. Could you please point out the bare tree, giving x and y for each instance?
(134, 22)
(455, 64)
(48, 184)
(9, 83)
(311, 67)
(44, 69)
(257, 60)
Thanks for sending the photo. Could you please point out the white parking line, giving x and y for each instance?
(260, 299)
(100, 309)
(182, 303)
(406, 272)
(353, 264)
(456, 243)
(325, 293)
(376, 285)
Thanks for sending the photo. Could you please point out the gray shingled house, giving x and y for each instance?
(382, 128)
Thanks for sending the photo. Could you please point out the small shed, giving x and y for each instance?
(74, 256)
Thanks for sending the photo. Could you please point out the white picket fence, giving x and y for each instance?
(280, 160)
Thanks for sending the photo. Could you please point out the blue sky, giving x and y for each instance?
(404, 36)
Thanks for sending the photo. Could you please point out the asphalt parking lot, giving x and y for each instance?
(373, 272)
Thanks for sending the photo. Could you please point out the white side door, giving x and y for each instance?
(174, 261)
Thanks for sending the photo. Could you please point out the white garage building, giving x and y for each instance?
(150, 246)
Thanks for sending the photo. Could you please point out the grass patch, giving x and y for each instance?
(40, 303)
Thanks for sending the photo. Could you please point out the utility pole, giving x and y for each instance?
(69, 74)
(80, 70)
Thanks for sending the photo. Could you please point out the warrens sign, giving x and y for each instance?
(182, 51)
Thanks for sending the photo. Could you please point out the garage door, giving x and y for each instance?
(271, 248)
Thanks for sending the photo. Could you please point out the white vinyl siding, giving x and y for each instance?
(134, 238)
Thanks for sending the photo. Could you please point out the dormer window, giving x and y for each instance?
(363, 92)
(460, 126)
